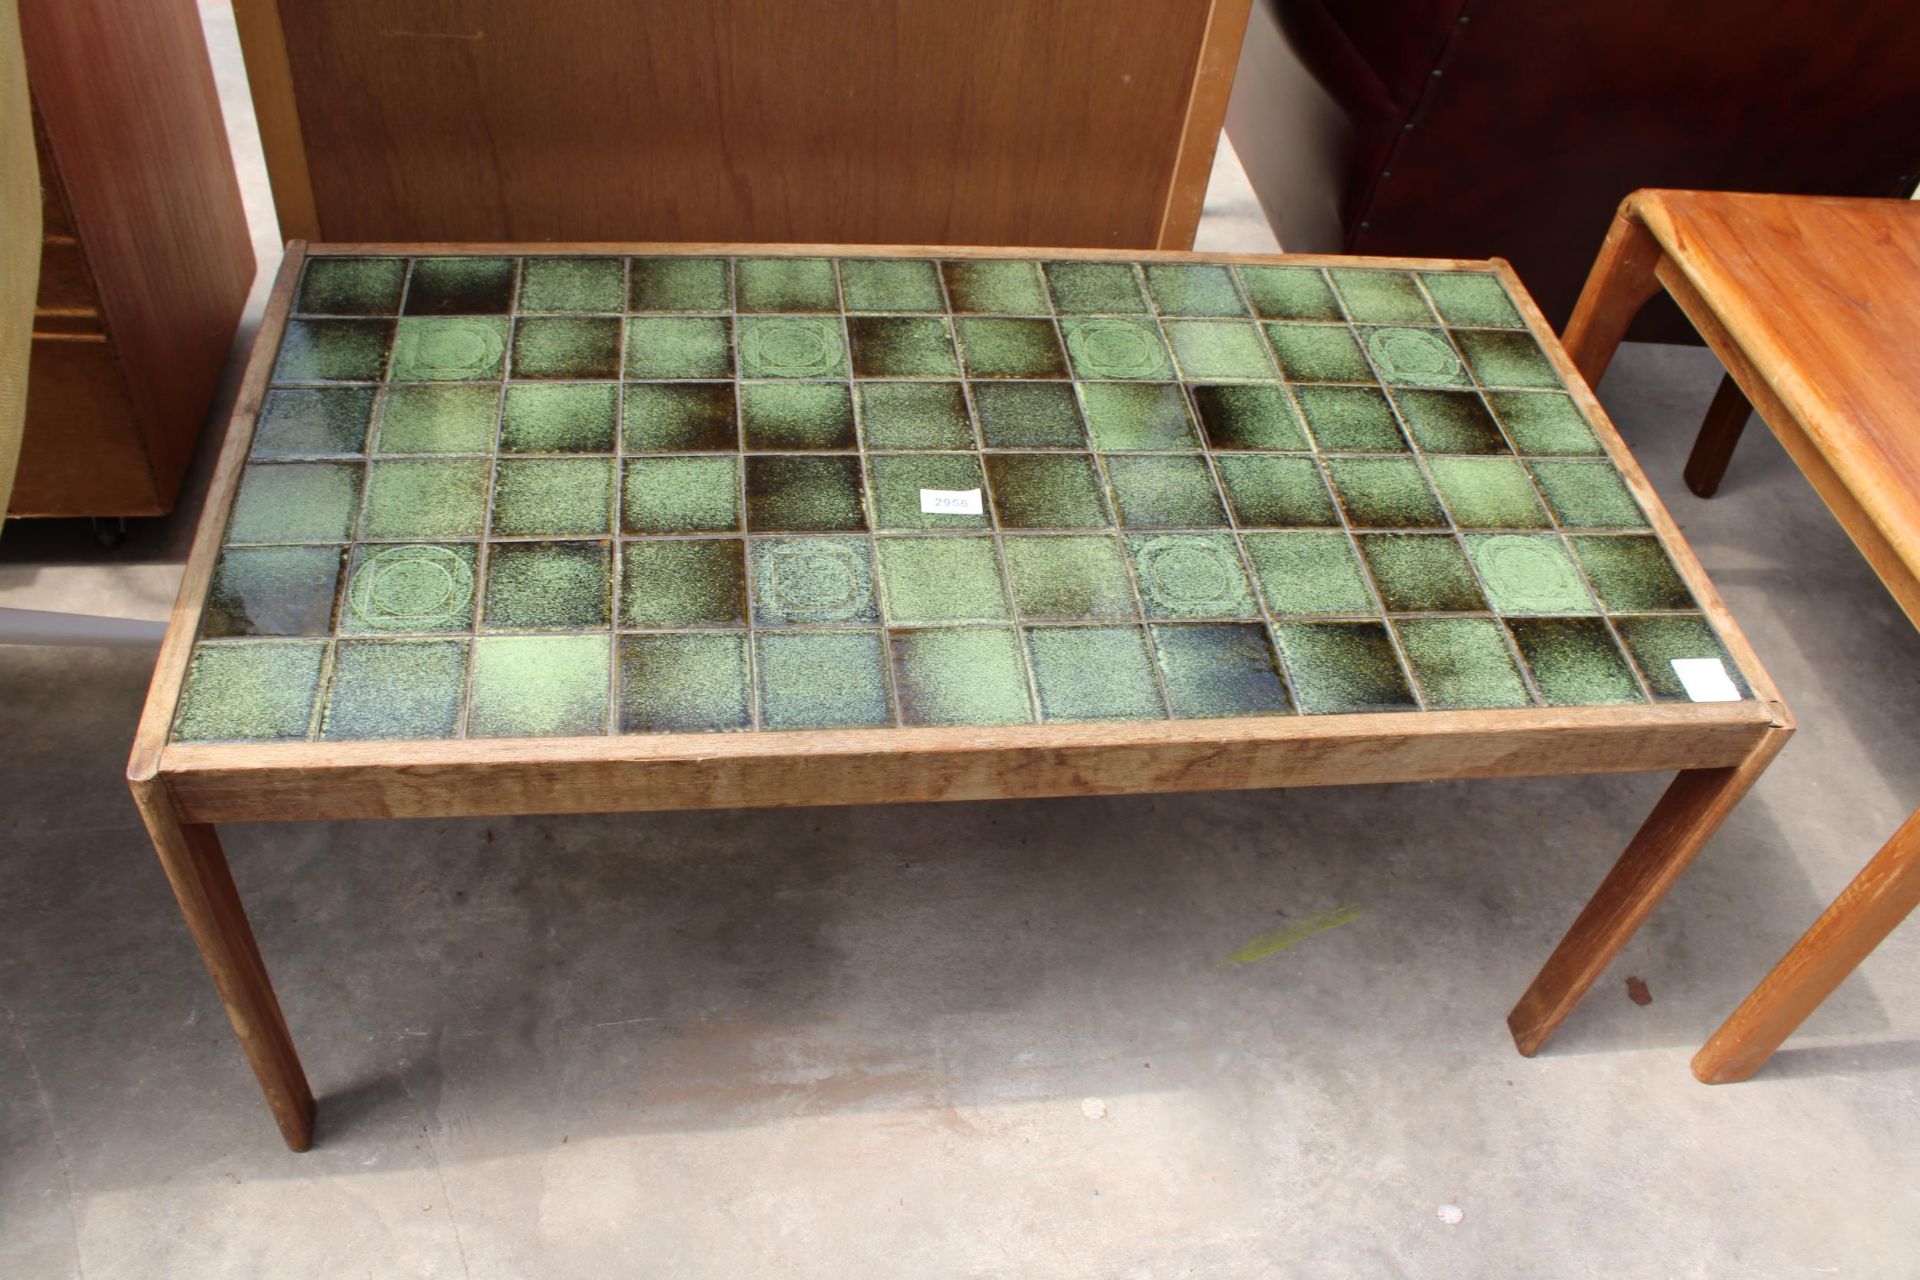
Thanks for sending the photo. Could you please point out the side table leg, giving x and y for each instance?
(1867, 910)
(196, 867)
(1680, 825)
(1620, 283)
(1719, 432)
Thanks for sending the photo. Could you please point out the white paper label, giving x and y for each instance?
(1705, 680)
(951, 502)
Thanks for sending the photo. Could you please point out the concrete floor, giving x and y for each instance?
(972, 1039)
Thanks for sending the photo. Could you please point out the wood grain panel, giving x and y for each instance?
(80, 451)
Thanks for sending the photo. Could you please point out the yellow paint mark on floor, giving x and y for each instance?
(1261, 948)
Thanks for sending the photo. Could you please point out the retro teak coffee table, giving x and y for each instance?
(619, 528)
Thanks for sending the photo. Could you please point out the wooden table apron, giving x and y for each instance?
(183, 789)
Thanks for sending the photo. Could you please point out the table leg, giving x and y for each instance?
(1867, 910)
(1620, 283)
(1678, 828)
(196, 867)
(1719, 432)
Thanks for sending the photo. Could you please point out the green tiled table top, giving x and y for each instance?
(504, 496)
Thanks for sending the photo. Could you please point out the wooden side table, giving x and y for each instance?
(1813, 306)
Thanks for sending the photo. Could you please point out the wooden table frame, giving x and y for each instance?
(184, 789)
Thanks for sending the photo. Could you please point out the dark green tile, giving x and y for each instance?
(680, 495)
(1632, 574)
(1385, 493)
(1574, 661)
(1529, 573)
(1471, 297)
(1191, 575)
(1350, 419)
(890, 284)
(994, 347)
(679, 284)
(1318, 353)
(552, 497)
(1656, 642)
(575, 347)
(313, 422)
(1181, 289)
(540, 686)
(931, 580)
(1047, 491)
(1028, 415)
(1304, 574)
(1095, 288)
(1093, 673)
(352, 286)
(1415, 357)
(902, 347)
(434, 418)
(986, 286)
(1068, 577)
(1462, 662)
(412, 588)
(1121, 416)
(1289, 293)
(1587, 495)
(679, 347)
(548, 586)
(426, 499)
(797, 415)
(683, 582)
(449, 349)
(972, 675)
(251, 692)
(1488, 493)
(295, 502)
(1249, 417)
(896, 480)
(460, 286)
(1219, 669)
(822, 679)
(1380, 297)
(1218, 349)
(1128, 349)
(1506, 358)
(786, 284)
(1544, 423)
(1344, 667)
(272, 591)
(395, 689)
(790, 493)
(1421, 573)
(792, 347)
(1268, 492)
(1450, 422)
(684, 684)
(573, 284)
(914, 415)
(810, 581)
(333, 351)
(567, 417)
(1165, 493)
(675, 417)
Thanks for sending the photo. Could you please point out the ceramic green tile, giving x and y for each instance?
(1471, 298)
(679, 284)
(996, 347)
(1184, 289)
(1506, 358)
(540, 686)
(822, 679)
(1125, 349)
(1384, 493)
(1068, 577)
(680, 495)
(933, 580)
(574, 347)
(250, 691)
(313, 422)
(1631, 574)
(1462, 663)
(414, 587)
(902, 347)
(684, 684)
(352, 286)
(1587, 495)
(1350, 419)
(561, 417)
(677, 417)
(333, 351)
(1574, 661)
(1212, 670)
(573, 284)
(890, 284)
(811, 581)
(438, 418)
(792, 347)
(1344, 667)
(272, 591)
(914, 415)
(1218, 349)
(679, 347)
(1450, 422)
(553, 497)
(1544, 423)
(896, 479)
(993, 287)
(797, 415)
(1309, 573)
(1488, 493)
(1095, 288)
(1164, 492)
(1421, 573)
(792, 493)
(1191, 575)
(1290, 293)
(1380, 297)
(1028, 415)
(449, 349)
(970, 675)
(426, 499)
(1269, 492)
(786, 284)
(460, 286)
(1318, 353)
(1093, 673)
(683, 582)
(295, 502)
(1415, 357)
(1047, 491)
(395, 689)
(1529, 573)
(548, 586)
(1656, 641)
(1122, 416)
(1248, 417)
